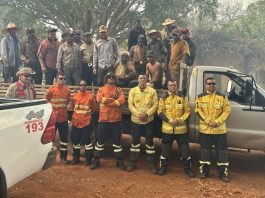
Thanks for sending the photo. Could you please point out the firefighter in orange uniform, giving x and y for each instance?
(110, 98)
(84, 105)
(59, 96)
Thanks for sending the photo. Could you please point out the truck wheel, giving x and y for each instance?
(3, 188)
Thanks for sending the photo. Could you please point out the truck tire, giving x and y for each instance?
(3, 188)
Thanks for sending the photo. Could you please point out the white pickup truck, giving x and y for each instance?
(27, 130)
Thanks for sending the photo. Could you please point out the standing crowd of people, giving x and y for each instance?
(82, 63)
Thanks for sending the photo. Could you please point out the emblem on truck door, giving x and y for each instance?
(38, 114)
(34, 121)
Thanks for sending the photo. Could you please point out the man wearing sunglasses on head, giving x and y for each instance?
(83, 104)
(59, 96)
(110, 99)
(22, 89)
(213, 108)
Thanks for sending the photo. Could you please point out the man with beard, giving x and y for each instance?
(47, 54)
(29, 50)
(186, 36)
(86, 50)
(9, 53)
(105, 55)
(179, 53)
(69, 61)
(138, 55)
(134, 34)
(125, 72)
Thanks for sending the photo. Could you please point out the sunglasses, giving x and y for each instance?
(175, 35)
(27, 76)
(111, 77)
(83, 85)
(213, 83)
(61, 78)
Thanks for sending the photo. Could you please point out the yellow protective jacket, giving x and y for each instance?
(142, 101)
(212, 107)
(173, 107)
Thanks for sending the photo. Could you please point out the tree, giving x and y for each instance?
(80, 14)
(157, 11)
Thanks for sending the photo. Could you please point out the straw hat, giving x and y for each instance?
(25, 70)
(11, 26)
(168, 21)
(102, 28)
(152, 31)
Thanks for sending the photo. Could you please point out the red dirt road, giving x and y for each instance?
(247, 174)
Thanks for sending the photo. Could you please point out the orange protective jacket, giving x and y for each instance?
(59, 96)
(83, 104)
(110, 99)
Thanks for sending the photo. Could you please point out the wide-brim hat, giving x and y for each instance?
(168, 21)
(11, 26)
(152, 32)
(25, 70)
(102, 28)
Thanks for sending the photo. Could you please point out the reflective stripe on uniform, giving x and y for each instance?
(63, 149)
(135, 149)
(205, 162)
(63, 143)
(78, 146)
(135, 146)
(223, 164)
(149, 147)
(150, 151)
(80, 111)
(89, 146)
(99, 147)
(58, 100)
(58, 105)
(117, 148)
(79, 106)
(162, 157)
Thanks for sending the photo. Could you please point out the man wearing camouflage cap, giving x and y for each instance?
(22, 89)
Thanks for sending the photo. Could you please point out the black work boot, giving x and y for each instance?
(63, 156)
(132, 166)
(76, 156)
(89, 155)
(204, 171)
(133, 161)
(162, 167)
(187, 169)
(95, 163)
(120, 163)
(223, 173)
(151, 163)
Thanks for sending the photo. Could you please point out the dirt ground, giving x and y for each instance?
(247, 174)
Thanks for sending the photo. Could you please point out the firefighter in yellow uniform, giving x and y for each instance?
(142, 103)
(213, 109)
(174, 110)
